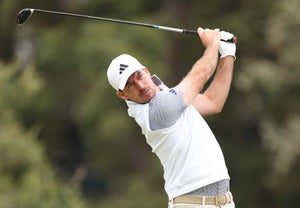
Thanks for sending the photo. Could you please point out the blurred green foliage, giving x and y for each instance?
(26, 176)
(66, 139)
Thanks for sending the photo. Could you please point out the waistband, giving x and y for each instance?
(204, 200)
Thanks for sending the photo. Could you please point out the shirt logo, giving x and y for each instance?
(173, 91)
(122, 68)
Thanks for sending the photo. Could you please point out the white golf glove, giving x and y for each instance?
(226, 48)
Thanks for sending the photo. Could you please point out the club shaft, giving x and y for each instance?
(172, 29)
(92, 17)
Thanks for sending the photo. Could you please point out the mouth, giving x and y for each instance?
(144, 92)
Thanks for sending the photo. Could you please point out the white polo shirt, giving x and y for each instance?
(188, 151)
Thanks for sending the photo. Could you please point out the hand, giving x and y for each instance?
(226, 48)
(209, 36)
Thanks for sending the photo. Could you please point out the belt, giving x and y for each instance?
(204, 200)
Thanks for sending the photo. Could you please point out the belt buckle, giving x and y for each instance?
(218, 201)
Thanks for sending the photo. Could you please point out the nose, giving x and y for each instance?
(139, 84)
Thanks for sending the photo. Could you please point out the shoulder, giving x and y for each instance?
(165, 108)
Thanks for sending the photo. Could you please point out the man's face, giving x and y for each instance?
(139, 87)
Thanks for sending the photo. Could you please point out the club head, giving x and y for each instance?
(24, 15)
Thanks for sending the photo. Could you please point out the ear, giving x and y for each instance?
(146, 70)
(121, 95)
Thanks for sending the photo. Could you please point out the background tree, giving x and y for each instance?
(26, 177)
(56, 102)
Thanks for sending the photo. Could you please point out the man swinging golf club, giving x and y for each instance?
(172, 121)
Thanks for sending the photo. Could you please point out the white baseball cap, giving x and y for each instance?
(120, 69)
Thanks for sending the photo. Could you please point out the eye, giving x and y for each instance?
(139, 75)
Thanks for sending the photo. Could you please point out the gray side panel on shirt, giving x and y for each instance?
(165, 108)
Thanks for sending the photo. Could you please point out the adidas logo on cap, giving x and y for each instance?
(120, 69)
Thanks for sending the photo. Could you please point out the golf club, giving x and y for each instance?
(25, 14)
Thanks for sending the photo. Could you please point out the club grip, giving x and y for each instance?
(194, 32)
(231, 40)
(191, 32)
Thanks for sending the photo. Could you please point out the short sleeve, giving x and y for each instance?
(165, 108)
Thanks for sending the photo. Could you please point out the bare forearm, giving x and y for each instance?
(213, 99)
(218, 90)
(204, 67)
(200, 73)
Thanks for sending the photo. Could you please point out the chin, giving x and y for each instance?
(147, 98)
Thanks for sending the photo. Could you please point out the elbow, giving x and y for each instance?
(213, 110)
(216, 105)
(217, 109)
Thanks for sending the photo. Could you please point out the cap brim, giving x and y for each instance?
(126, 74)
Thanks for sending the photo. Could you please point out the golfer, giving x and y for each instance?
(172, 121)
